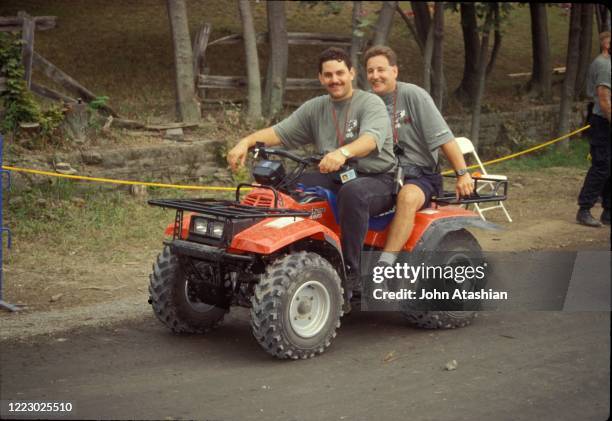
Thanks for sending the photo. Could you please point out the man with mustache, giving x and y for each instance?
(419, 130)
(344, 124)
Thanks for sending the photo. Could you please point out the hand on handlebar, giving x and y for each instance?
(236, 157)
(332, 162)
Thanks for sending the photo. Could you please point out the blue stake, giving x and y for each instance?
(3, 304)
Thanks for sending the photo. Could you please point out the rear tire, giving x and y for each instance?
(297, 305)
(174, 300)
(461, 246)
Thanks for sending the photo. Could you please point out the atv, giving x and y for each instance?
(276, 250)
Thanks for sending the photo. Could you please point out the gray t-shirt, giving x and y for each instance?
(420, 127)
(314, 123)
(599, 75)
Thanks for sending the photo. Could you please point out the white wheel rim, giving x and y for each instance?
(310, 308)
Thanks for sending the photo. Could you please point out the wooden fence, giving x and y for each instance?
(206, 81)
(31, 59)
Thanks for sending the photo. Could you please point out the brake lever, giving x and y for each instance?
(314, 159)
(260, 147)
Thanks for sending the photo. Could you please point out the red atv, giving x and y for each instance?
(277, 251)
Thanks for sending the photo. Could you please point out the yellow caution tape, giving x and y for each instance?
(110, 180)
(526, 151)
(216, 188)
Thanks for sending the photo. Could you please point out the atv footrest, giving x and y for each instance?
(205, 252)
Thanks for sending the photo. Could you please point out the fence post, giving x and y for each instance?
(200, 43)
(27, 49)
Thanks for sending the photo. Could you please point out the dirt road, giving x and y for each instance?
(536, 365)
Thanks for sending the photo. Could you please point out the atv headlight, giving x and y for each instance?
(216, 229)
(207, 227)
(200, 226)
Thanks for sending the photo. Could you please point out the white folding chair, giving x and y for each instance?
(466, 147)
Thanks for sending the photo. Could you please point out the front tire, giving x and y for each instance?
(175, 299)
(297, 305)
(461, 246)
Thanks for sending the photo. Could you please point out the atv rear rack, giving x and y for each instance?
(498, 193)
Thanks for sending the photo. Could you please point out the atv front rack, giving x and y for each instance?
(224, 209)
(498, 193)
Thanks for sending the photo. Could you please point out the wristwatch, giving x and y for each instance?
(345, 152)
(461, 172)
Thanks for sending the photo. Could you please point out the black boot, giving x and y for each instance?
(352, 282)
(605, 217)
(584, 217)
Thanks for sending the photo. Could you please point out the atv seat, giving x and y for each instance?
(375, 223)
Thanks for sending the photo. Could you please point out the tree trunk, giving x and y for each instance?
(252, 61)
(277, 63)
(438, 85)
(187, 105)
(411, 28)
(385, 19)
(422, 19)
(481, 73)
(428, 55)
(606, 18)
(586, 40)
(602, 13)
(357, 44)
(471, 44)
(571, 70)
(497, 40)
(540, 84)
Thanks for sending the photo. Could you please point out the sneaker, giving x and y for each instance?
(584, 217)
(605, 217)
(387, 284)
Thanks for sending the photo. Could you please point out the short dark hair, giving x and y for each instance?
(334, 53)
(380, 50)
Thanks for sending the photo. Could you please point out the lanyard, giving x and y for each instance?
(393, 119)
(340, 136)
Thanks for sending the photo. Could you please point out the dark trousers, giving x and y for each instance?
(597, 181)
(357, 200)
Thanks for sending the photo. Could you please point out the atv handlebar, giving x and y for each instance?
(261, 150)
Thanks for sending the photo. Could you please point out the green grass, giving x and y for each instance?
(68, 214)
(576, 155)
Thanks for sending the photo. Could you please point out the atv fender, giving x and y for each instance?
(273, 234)
(439, 228)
